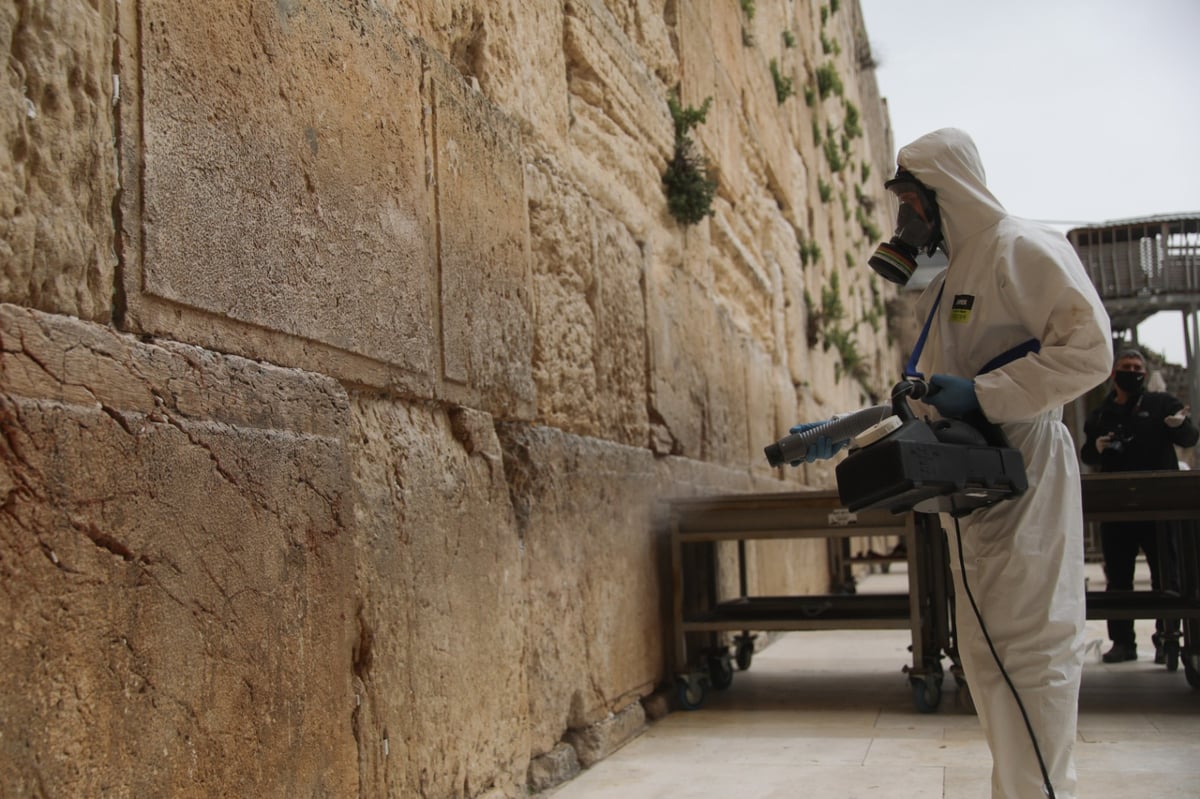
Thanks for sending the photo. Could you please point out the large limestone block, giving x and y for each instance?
(58, 168)
(676, 305)
(592, 576)
(697, 362)
(620, 362)
(440, 658)
(483, 242)
(174, 558)
(564, 281)
(311, 185)
(590, 343)
(284, 183)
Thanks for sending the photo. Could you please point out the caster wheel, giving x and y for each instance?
(691, 692)
(720, 672)
(1171, 650)
(927, 694)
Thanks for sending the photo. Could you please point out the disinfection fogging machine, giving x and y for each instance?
(902, 463)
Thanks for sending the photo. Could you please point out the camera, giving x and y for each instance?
(1118, 439)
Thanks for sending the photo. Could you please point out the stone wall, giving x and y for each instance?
(348, 355)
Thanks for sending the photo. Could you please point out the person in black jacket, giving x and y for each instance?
(1135, 430)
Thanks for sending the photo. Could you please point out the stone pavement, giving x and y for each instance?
(830, 714)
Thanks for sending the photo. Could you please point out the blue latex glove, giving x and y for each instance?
(954, 397)
(823, 448)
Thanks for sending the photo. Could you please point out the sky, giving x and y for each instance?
(1084, 111)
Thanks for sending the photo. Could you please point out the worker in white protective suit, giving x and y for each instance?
(1015, 329)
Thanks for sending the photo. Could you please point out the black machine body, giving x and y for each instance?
(952, 466)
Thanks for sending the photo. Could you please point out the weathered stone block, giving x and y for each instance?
(175, 566)
(592, 581)
(698, 390)
(598, 741)
(590, 344)
(440, 654)
(621, 330)
(285, 183)
(58, 168)
(556, 766)
(483, 235)
(564, 281)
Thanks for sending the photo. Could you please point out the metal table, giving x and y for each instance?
(1172, 499)
(701, 615)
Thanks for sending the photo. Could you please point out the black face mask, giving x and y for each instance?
(1130, 382)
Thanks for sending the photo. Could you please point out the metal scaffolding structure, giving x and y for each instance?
(1143, 266)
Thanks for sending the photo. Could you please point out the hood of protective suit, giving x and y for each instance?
(948, 162)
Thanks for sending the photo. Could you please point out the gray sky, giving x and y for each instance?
(1083, 111)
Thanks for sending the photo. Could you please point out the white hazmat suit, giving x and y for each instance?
(1008, 281)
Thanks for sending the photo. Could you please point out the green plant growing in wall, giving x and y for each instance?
(852, 125)
(832, 156)
(847, 349)
(865, 171)
(816, 130)
(809, 251)
(834, 5)
(829, 81)
(812, 323)
(866, 206)
(810, 98)
(747, 34)
(824, 190)
(789, 39)
(783, 83)
(823, 327)
(876, 310)
(687, 181)
(824, 15)
(832, 309)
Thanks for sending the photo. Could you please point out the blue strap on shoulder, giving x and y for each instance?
(910, 370)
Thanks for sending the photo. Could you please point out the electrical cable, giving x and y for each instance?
(996, 656)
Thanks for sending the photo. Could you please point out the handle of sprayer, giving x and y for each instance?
(914, 386)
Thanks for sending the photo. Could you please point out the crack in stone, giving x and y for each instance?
(105, 541)
(118, 417)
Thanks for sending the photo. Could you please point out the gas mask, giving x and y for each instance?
(896, 260)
